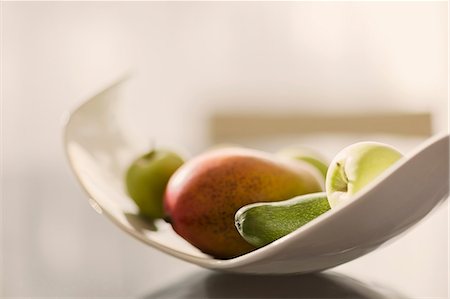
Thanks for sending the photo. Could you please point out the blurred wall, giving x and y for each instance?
(194, 58)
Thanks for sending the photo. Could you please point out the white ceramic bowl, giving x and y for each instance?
(99, 147)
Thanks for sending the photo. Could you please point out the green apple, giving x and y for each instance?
(356, 166)
(307, 155)
(146, 180)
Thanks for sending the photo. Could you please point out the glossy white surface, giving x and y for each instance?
(99, 149)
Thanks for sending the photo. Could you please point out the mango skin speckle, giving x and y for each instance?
(204, 194)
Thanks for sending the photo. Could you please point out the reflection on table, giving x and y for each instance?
(209, 284)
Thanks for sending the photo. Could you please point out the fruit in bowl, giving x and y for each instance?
(264, 222)
(231, 200)
(306, 154)
(351, 170)
(204, 194)
(147, 177)
(356, 166)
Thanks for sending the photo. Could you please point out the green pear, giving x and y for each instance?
(356, 166)
(262, 223)
(307, 155)
(146, 180)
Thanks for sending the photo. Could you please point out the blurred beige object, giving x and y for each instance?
(226, 127)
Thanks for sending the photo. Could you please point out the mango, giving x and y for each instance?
(203, 195)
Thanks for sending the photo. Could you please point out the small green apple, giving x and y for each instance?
(356, 166)
(307, 155)
(147, 177)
